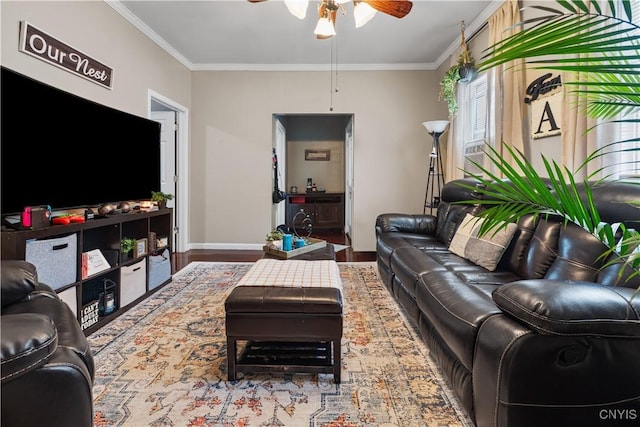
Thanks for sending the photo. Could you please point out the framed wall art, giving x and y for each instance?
(317, 155)
(141, 248)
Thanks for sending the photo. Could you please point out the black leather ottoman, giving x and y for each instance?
(286, 328)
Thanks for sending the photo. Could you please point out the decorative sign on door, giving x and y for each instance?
(546, 107)
(40, 45)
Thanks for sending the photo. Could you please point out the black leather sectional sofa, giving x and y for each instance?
(548, 338)
(47, 365)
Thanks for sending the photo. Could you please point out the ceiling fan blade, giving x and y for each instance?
(399, 9)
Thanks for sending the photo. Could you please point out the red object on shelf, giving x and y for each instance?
(60, 220)
(300, 199)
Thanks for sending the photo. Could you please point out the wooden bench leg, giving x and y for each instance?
(231, 358)
(337, 363)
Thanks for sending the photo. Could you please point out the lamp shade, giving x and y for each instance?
(436, 126)
(362, 13)
(325, 28)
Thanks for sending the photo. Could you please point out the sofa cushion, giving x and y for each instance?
(554, 307)
(18, 280)
(485, 251)
(28, 342)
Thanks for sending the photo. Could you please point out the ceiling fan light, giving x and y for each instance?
(362, 13)
(298, 8)
(324, 28)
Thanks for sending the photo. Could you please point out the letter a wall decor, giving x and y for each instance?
(546, 106)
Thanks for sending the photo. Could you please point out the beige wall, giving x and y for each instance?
(231, 154)
(231, 119)
(97, 30)
(326, 174)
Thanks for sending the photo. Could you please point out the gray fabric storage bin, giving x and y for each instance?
(159, 269)
(55, 259)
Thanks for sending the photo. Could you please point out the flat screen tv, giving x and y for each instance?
(61, 150)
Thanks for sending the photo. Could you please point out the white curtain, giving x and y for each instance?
(577, 143)
(507, 117)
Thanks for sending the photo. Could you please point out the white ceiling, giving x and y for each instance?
(239, 35)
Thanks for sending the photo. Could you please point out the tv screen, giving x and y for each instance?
(61, 150)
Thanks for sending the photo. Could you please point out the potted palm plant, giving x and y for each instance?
(604, 49)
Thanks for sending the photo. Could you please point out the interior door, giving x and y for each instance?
(348, 197)
(280, 141)
(167, 120)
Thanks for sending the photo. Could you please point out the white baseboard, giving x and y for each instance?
(227, 246)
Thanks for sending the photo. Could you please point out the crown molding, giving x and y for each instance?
(137, 23)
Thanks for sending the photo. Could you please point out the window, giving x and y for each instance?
(472, 121)
(629, 162)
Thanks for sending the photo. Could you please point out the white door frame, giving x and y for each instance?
(182, 166)
(280, 139)
(348, 164)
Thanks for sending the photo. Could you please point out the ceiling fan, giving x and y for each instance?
(363, 11)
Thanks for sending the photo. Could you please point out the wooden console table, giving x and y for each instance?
(325, 210)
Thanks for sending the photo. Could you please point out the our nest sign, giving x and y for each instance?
(39, 44)
(546, 106)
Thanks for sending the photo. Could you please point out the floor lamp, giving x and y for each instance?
(435, 176)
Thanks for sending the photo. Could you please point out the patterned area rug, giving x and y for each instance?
(163, 363)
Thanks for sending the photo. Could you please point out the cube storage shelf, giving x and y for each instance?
(57, 253)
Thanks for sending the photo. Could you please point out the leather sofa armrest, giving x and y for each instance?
(417, 223)
(17, 280)
(28, 341)
(554, 307)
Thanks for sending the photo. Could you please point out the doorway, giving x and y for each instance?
(318, 133)
(173, 119)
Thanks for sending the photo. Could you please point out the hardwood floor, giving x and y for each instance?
(182, 259)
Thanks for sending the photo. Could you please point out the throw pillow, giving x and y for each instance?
(485, 251)
(462, 235)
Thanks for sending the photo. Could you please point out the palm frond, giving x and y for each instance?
(571, 38)
(523, 191)
(599, 52)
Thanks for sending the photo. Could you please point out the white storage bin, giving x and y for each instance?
(69, 296)
(133, 280)
(159, 269)
(55, 259)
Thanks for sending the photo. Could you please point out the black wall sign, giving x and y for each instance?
(39, 44)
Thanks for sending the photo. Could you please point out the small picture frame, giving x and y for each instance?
(322, 155)
(141, 248)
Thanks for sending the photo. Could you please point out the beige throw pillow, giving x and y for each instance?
(462, 235)
(484, 251)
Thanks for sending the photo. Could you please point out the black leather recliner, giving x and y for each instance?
(550, 338)
(47, 365)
